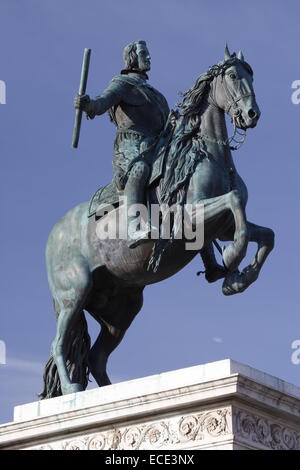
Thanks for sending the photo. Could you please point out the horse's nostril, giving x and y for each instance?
(251, 113)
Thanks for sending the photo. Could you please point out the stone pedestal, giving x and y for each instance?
(220, 405)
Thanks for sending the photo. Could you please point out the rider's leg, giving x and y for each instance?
(135, 194)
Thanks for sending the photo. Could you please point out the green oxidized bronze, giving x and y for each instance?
(160, 157)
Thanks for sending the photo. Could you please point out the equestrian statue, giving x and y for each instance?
(162, 158)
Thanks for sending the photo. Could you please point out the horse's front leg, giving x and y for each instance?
(217, 207)
(237, 282)
(236, 251)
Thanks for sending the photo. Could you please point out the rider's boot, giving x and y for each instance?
(134, 194)
(213, 270)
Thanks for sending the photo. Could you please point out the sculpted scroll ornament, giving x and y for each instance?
(76, 444)
(253, 430)
(132, 438)
(260, 430)
(213, 423)
(97, 442)
(169, 432)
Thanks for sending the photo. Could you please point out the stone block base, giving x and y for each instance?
(220, 405)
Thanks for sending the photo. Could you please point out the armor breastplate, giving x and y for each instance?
(144, 109)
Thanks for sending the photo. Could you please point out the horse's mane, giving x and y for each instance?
(185, 152)
(190, 111)
(188, 124)
(180, 162)
(191, 106)
(194, 97)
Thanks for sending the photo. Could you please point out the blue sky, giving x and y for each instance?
(184, 321)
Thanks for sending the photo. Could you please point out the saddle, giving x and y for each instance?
(109, 195)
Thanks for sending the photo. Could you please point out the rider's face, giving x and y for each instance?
(144, 59)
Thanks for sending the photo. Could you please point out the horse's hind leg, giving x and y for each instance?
(109, 338)
(72, 289)
(119, 313)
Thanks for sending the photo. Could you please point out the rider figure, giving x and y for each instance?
(140, 113)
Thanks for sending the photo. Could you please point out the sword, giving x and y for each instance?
(82, 88)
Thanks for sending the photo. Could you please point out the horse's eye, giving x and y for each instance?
(232, 76)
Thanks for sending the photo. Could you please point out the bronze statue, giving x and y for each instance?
(140, 113)
(180, 158)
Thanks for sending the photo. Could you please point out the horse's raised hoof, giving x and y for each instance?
(71, 388)
(234, 283)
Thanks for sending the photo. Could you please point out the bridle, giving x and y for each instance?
(219, 70)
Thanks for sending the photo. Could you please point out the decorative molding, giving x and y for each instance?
(221, 405)
(251, 429)
(205, 426)
(259, 430)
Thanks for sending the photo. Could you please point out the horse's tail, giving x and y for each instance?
(77, 351)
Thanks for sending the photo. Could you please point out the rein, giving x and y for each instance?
(231, 103)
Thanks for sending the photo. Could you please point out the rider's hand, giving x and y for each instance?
(82, 102)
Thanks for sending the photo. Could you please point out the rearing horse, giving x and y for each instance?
(106, 278)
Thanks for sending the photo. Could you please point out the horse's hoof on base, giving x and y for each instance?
(72, 388)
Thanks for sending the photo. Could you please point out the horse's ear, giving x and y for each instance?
(240, 56)
(226, 53)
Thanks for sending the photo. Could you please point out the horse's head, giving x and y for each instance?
(232, 90)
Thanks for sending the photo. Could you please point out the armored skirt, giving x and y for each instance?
(129, 148)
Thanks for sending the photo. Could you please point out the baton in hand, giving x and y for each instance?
(82, 88)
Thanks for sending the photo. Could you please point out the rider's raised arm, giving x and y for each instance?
(111, 96)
